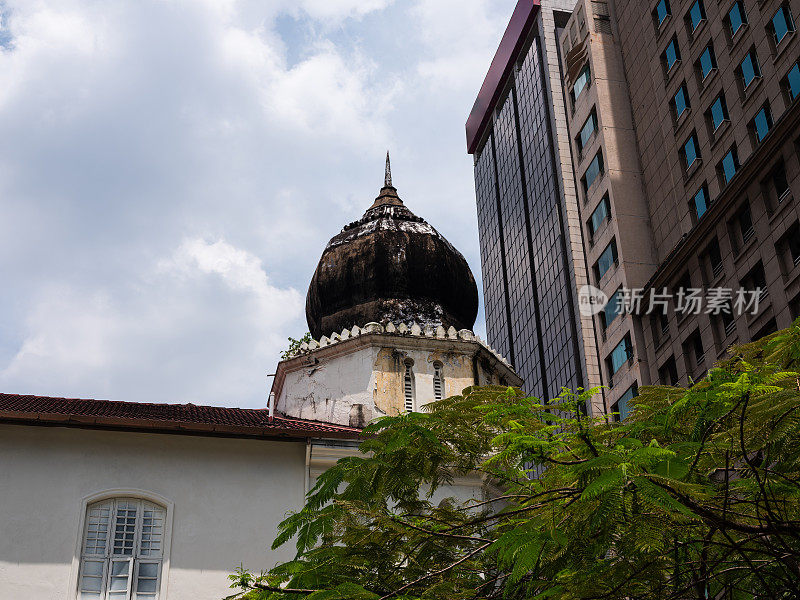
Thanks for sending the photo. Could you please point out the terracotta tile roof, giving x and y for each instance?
(175, 418)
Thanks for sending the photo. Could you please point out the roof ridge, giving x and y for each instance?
(163, 418)
(131, 402)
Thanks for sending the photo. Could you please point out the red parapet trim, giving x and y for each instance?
(502, 65)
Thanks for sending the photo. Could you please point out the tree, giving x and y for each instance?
(696, 495)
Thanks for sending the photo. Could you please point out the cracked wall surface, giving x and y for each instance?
(358, 387)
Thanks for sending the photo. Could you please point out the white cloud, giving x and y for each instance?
(462, 36)
(202, 325)
(341, 9)
(238, 269)
(251, 130)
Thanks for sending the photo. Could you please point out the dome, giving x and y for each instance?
(390, 266)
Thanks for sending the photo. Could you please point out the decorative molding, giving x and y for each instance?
(413, 329)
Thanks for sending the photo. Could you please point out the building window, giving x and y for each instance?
(701, 202)
(671, 55)
(587, 131)
(761, 124)
(695, 16)
(698, 352)
(694, 353)
(742, 227)
(593, 171)
(768, 329)
(690, 152)
(600, 216)
(789, 247)
(718, 113)
(622, 409)
(728, 166)
(779, 182)
(781, 25)
(680, 102)
(791, 84)
(438, 380)
(682, 287)
(668, 373)
(607, 260)
(713, 255)
(408, 385)
(795, 307)
(620, 356)
(661, 329)
(707, 63)
(612, 309)
(756, 280)
(661, 12)
(736, 19)
(659, 324)
(749, 69)
(728, 322)
(580, 84)
(745, 221)
(122, 550)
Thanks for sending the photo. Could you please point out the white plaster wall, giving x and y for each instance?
(327, 390)
(228, 494)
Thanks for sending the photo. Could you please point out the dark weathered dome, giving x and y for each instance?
(390, 265)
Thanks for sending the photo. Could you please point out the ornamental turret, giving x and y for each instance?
(390, 307)
(390, 266)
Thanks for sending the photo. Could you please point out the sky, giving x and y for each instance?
(171, 170)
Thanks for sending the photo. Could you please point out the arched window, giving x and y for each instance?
(438, 381)
(122, 550)
(408, 385)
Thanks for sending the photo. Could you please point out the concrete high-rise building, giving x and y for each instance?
(614, 215)
(704, 125)
(717, 127)
(531, 246)
(683, 135)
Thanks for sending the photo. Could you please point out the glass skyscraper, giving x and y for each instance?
(529, 271)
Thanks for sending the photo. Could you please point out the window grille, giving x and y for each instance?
(408, 388)
(122, 551)
(602, 26)
(438, 382)
(600, 9)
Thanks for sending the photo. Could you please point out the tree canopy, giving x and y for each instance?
(695, 495)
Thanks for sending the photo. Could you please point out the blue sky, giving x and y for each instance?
(171, 171)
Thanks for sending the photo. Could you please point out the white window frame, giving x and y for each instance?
(119, 494)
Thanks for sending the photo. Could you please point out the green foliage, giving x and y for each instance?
(294, 346)
(696, 495)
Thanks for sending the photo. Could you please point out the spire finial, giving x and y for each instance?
(388, 193)
(387, 181)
